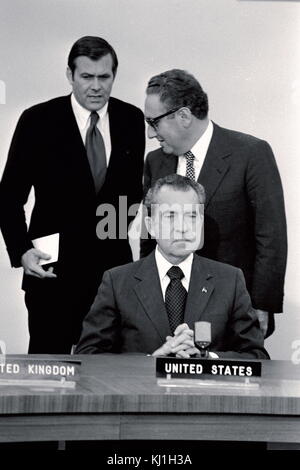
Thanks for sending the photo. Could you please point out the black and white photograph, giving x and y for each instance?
(149, 218)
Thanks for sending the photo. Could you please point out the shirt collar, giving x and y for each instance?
(82, 115)
(163, 265)
(200, 148)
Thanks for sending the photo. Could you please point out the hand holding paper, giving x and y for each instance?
(48, 245)
(31, 263)
(45, 251)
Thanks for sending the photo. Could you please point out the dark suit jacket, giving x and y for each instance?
(129, 315)
(244, 221)
(48, 154)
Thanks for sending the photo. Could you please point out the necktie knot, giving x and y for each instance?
(175, 273)
(94, 116)
(189, 156)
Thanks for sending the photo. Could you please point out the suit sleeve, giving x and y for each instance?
(266, 198)
(102, 325)
(147, 244)
(244, 338)
(147, 181)
(139, 152)
(135, 192)
(15, 187)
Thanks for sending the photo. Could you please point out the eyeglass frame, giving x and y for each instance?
(153, 122)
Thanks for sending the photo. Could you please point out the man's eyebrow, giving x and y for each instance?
(168, 211)
(104, 74)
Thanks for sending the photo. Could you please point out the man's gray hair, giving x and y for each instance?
(176, 89)
(176, 182)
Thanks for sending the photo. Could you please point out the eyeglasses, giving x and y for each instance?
(153, 122)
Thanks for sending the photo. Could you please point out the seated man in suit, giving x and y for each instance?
(150, 306)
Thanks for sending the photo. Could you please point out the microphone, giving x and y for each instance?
(202, 337)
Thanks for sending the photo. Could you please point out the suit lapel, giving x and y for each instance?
(115, 129)
(119, 144)
(200, 289)
(118, 135)
(215, 164)
(148, 291)
(69, 127)
(73, 149)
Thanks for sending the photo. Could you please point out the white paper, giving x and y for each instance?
(48, 245)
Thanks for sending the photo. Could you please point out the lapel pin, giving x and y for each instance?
(204, 290)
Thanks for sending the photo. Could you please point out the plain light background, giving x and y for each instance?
(245, 53)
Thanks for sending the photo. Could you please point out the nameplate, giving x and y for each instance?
(194, 368)
(31, 371)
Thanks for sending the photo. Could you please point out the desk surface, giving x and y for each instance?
(117, 397)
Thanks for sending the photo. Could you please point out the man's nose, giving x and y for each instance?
(151, 132)
(96, 85)
(180, 224)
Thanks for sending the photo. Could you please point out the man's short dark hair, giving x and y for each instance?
(176, 89)
(176, 182)
(94, 48)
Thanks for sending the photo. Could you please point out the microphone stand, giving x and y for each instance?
(203, 348)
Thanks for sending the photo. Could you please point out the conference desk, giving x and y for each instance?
(117, 398)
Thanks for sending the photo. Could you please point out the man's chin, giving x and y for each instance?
(182, 249)
(95, 105)
(166, 149)
(185, 247)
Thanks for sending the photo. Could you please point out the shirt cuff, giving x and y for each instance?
(213, 355)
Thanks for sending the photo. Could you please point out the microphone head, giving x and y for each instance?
(202, 334)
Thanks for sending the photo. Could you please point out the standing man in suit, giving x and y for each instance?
(81, 153)
(150, 306)
(245, 221)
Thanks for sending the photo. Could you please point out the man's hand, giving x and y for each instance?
(263, 318)
(30, 262)
(181, 344)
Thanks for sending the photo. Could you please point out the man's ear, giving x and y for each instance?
(149, 226)
(69, 75)
(185, 116)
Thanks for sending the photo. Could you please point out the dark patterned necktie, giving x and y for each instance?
(175, 298)
(190, 170)
(95, 150)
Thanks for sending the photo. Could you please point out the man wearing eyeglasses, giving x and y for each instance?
(245, 221)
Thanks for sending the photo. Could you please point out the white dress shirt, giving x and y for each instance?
(163, 266)
(199, 150)
(82, 117)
